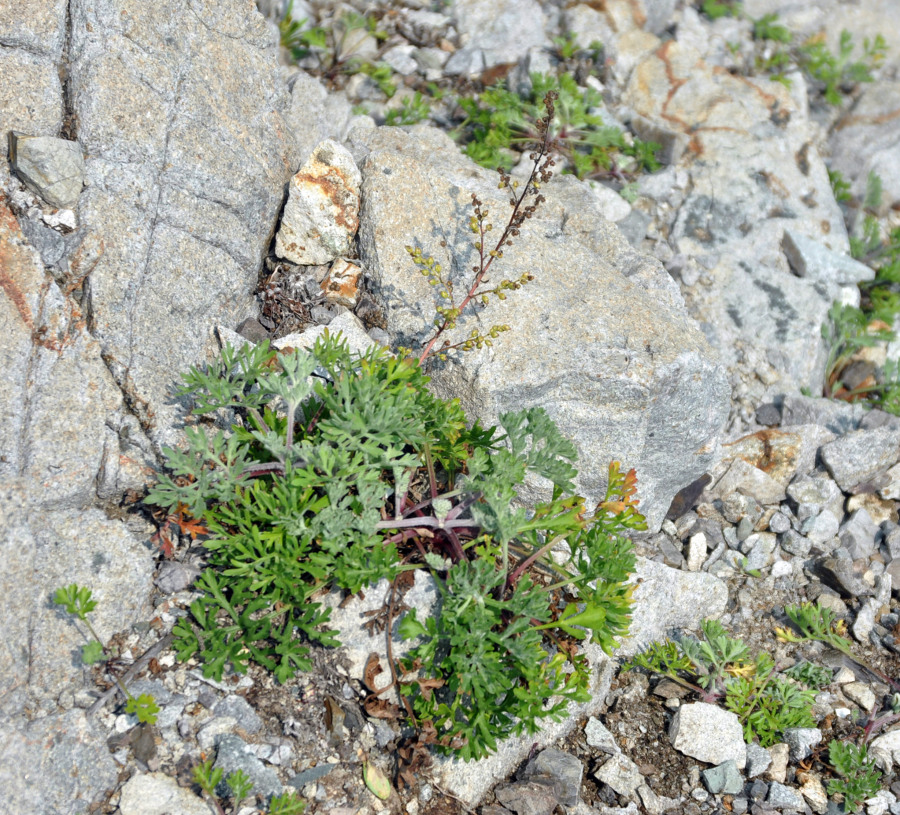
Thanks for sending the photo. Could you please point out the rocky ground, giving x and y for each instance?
(796, 500)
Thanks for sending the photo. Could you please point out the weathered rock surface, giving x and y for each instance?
(494, 32)
(180, 114)
(53, 168)
(158, 794)
(753, 173)
(322, 212)
(600, 339)
(56, 764)
(668, 599)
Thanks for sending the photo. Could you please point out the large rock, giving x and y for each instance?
(754, 172)
(179, 109)
(43, 551)
(600, 339)
(58, 765)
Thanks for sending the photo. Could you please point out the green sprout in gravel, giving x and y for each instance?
(78, 601)
(848, 374)
(836, 73)
(208, 778)
(718, 667)
(858, 779)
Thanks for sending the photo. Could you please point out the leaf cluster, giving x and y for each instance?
(320, 486)
(413, 110)
(498, 121)
(859, 777)
(714, 9)
(838, 73)
(209, 778)
(718, 667)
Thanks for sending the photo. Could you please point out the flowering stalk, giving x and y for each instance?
(447, 316)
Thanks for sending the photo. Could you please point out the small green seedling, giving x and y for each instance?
(859, 777)
(78, 601)
(718, 667)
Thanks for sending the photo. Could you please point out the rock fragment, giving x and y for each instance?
(51, 167)
(862, 455)
(809, 258)
(708, 733)
(322, 213)
(622, 774)
(558, 770)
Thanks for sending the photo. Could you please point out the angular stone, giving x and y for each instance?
(761, 551)
(814, 792)
(801, 740)
(558, 770)
(347, 325)
(886, 748)
(622, 774)
(758, 760)
(158, 794)
(841, 574)
(723, 779)
(779, 755)
(860, 693)
(322, 213)
(795, 544)
(809, 258)
(527, 798)
(51, 167)
(237, 708)
(696, 552)
(708, 733)
(786, 799)
(752, 482)
(858, 535)
(593, 297)
(596, 735)
(232, 754)
(862, 455)
(782, 454)
(821, 528)
(341, 284)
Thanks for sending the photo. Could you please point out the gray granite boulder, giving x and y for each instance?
(754, 172)
(600, 338)
(180, 114)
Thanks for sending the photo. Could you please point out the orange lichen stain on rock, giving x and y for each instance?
(773, 451)
(15, 261)
(337, 190)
